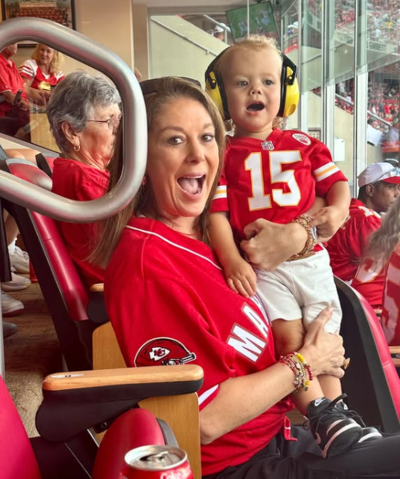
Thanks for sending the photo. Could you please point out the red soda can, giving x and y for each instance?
(156, 462)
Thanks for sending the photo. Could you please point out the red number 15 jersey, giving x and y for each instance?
(276, 179)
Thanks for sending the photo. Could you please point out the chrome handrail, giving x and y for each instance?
(97, 56)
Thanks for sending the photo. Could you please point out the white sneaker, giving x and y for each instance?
(19, 260)
(10, 306)
(16, 284)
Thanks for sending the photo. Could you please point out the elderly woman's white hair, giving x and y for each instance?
(74, 100)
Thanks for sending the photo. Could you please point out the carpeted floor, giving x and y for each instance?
(30, 355)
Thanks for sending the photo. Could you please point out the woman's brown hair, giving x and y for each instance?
(157, 94)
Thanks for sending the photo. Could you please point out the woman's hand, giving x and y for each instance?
(241, 277)
(328, 220)
(323, 351)
(270, 244)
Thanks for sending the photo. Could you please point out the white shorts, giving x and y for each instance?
(300, 289)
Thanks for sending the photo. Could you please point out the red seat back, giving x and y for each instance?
(74, 292)
(371, 381)
(392, 377)
(17, 459)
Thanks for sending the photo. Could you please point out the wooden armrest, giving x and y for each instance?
(114, 377)
(97, 288)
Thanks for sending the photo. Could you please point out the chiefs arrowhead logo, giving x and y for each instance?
(158, 353)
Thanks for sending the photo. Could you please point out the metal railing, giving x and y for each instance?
(134, 120)
(175, 32)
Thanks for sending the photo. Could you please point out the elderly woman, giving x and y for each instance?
(43, 70)
(169, 304)
(84, 114)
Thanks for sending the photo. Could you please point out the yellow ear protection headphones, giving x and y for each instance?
(289, 88)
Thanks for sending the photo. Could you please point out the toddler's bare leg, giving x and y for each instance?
(289, 337)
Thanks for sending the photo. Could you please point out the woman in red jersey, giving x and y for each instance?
(84, 114)
(43, 71)
(169, 304)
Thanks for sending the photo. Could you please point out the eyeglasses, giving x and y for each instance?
(112, 123)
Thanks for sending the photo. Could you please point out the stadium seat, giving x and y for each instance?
(371, 382)
(103, 400)
(62, 287)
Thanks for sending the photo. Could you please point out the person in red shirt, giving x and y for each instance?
(84, 114)
(380, 285)
(43, 71)
(169, 304)
(390, 319)
(11, 82)
(276, 175)
(379, 187)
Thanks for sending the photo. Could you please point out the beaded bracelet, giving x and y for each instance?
(306, 365)
(301, 370)
(304, 221)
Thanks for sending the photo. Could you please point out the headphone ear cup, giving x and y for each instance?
(215, 88)
(289, 94)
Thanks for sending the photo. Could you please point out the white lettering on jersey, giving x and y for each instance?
(389, 326)
(258, 322)
(246, 343)
(366, 275)
(369, 212)
(260, 199)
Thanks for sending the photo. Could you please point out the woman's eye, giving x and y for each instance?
(175, 140)
(208, 137)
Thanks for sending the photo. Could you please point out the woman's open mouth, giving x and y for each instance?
(192, 184)
(256, 106)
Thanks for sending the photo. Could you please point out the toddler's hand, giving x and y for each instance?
(328, 220)
(241, 277)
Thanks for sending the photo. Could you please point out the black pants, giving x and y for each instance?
(282, 459)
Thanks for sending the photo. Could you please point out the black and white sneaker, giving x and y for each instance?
(334, 430)
(369, 434)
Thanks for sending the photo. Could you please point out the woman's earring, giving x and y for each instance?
(144, 180)
(77, 148)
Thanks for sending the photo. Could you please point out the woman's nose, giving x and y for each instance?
(196, 153)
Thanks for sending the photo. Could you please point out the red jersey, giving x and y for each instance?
(169, 303)
(346, 247)
(10, 80)
(30, 70)
(276, 179)
(370, 282)
(78, 181)
(391, 300)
